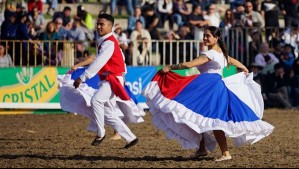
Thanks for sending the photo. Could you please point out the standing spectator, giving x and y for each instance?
(5, 59)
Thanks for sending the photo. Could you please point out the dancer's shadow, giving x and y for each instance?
(102, 158)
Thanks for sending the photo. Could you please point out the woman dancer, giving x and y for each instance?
(197, 109)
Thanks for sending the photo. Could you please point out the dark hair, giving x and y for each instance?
(67, 8)
(138, 20)
(107, 17)
(278, 66)
(216, 32)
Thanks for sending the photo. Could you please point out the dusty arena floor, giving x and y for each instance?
(61, 141)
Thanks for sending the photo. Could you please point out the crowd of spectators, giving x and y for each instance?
(251, 28)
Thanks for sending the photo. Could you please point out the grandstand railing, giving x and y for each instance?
(161, 52)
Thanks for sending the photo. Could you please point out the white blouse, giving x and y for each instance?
(215, 65)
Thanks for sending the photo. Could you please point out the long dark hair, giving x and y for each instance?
(216, 32)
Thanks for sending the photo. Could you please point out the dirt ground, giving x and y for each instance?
(61, 141)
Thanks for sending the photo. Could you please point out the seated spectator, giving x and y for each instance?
(180, 12)
(152, 22)
(198, 23)
(288, 57)
(5, 59)
(85, 17)
(275, 88)
(80, 52)
(257, 72)
(121, 36)
(77, 32)
(165, 11)
(129, 54)
(143, 52)
(53, 4)
(63, 33)
(65, 15)
(136, 37)
(133, 19)
(294, 84)
(48, 37)
(266, 59)
(291, 35)
(252, 19)
(148, 3)
(185, 48)
(35, 4)
(227, 23)
(168, 49)
(213, 16)
(38, 20)
(9, 29)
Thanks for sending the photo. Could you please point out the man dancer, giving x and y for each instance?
(110, 66)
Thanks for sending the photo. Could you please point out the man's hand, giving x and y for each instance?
(77, 83)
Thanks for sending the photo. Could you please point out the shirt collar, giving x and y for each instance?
(101, 39)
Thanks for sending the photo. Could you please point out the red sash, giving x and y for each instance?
(117, 88)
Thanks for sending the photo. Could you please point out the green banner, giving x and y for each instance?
(21, 86)
(227, 71)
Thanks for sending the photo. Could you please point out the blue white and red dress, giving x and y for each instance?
(185, 107)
